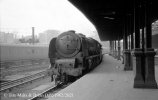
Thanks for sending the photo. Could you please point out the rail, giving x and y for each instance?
(44, 91)
(21, 63)
(14, 83)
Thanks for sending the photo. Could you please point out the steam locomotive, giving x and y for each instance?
(73, 55)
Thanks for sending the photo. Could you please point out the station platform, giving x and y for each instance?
(107, 82)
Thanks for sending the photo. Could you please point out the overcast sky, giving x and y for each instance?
(21, 15)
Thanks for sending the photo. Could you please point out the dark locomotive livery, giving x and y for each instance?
(72, 55)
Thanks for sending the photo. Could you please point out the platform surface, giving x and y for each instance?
(107, 82)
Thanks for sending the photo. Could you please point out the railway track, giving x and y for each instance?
(20, 63)
(51, 92)
(43, 93)
(8, 86)
(21, 68)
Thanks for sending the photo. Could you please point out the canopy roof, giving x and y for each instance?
(107, 15)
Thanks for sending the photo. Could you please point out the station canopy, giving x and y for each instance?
(108, 15)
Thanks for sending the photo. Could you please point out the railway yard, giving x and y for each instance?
(28, 79)
(28, 85)
(37, 85)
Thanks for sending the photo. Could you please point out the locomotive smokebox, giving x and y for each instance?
(68, 44)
